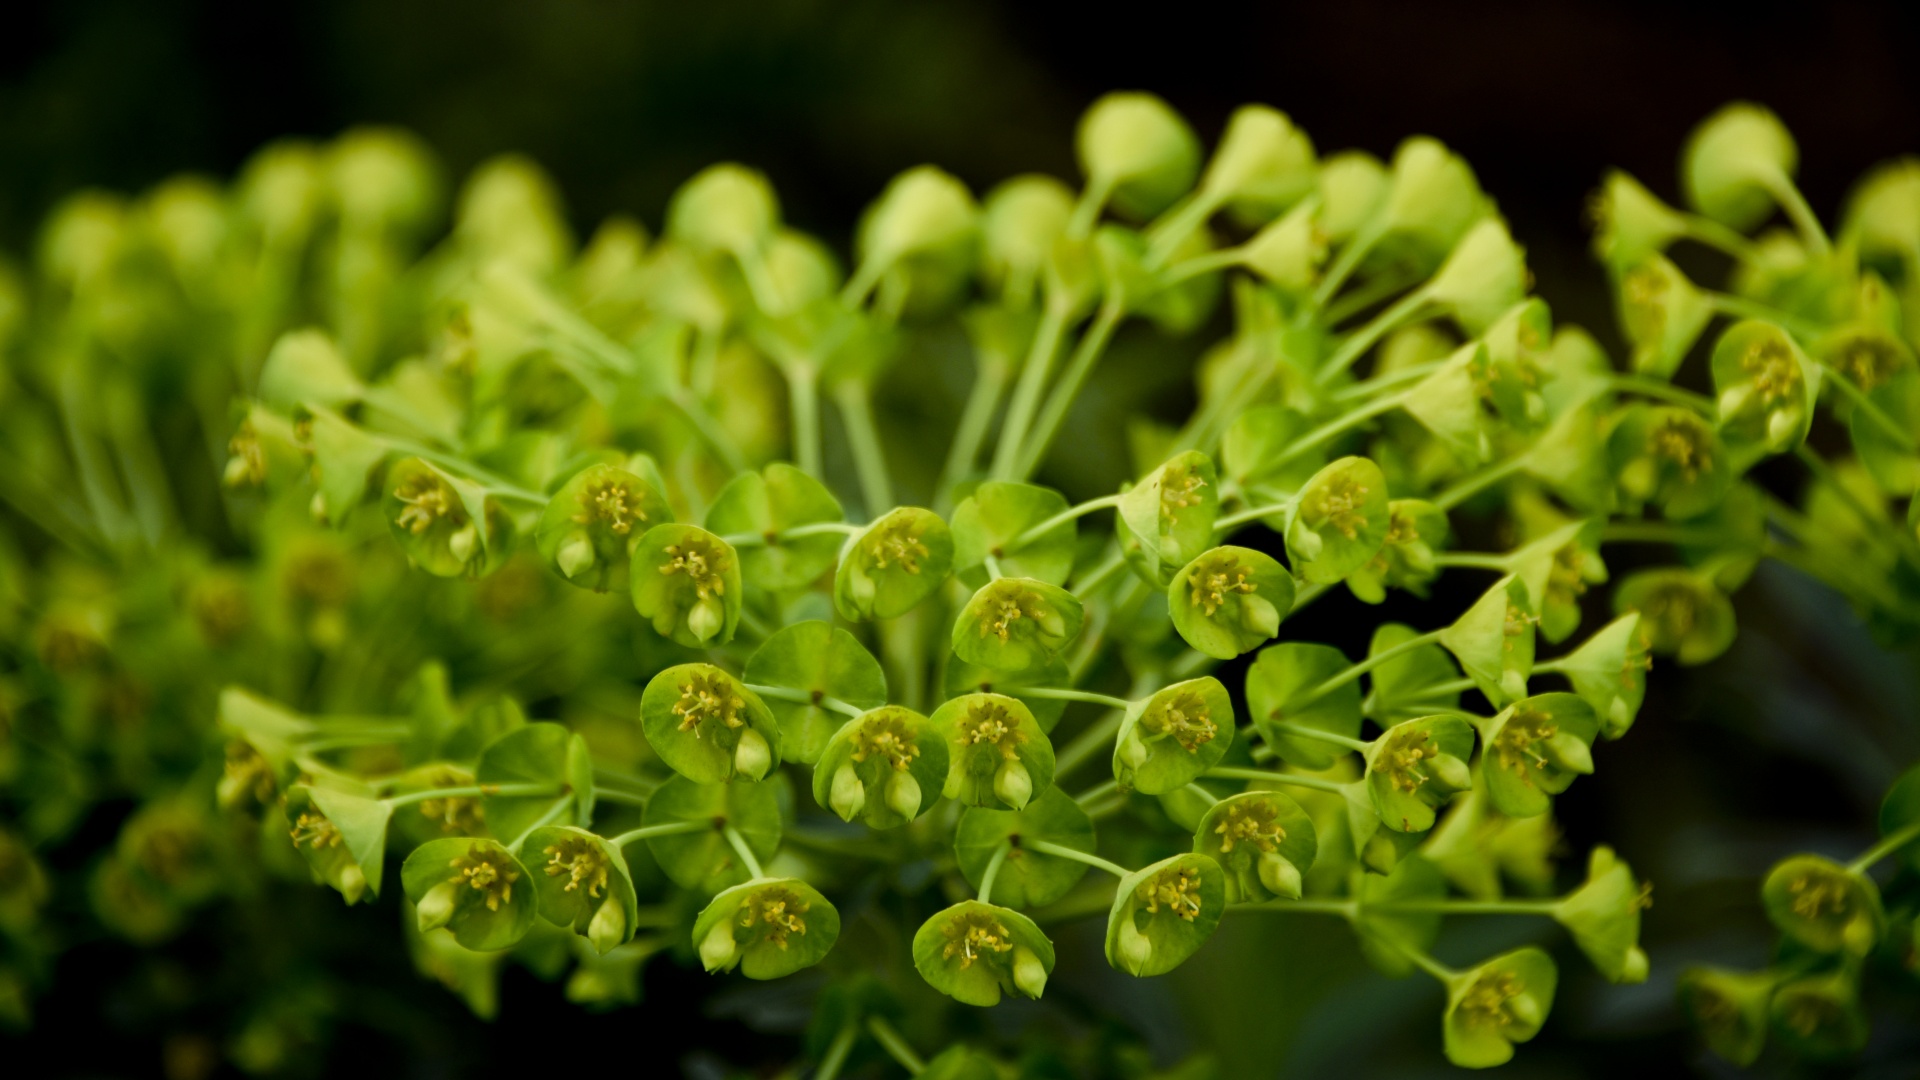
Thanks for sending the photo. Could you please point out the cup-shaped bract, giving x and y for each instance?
(1407, 685)
(1765, 387)
(1016, 624)
(1672, 457)
(1170, 513)
(1661, 312)
(1609, 670)
(768, 927)
(1493, 640)
(965, 678)
(1415, 767)
(1163, 913)
(1497, 1004)
(384, 179)
(997, 756)
(305, 368)
(821, 661)
(925, 228)
(1167, 741)
(1138, 152)
(1603, 915)
(1484, 276)
(594, 520)
(1339, 522)
(264, 451)
(707, 726)
(342, 836)
(1283, 687)
(475, 888)
(687, 581)
(765, 504)
(1630, 223)
(899, 561)
(1535, 748)
(1557, 568)
(510, 212)
(724, 208)
(1289, 251)
(974, 952)
(885, 767)
(703, 859)
(546, 756)
(346, 461)
(1353, 183)
(582, 882)
(1729, 1009)
(1230, 600)
(1682, 613)
(1432, 200)
(1027, 878)
(264, 740)
(1452, 403)
(1022, 219)
(1819, 1015)
(448, 526)
(994, 522)
(1824, 905)
(1264, 842)
(1735, 163)
(1263, 165)
(1416, 531)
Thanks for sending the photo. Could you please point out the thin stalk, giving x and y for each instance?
(1250, 515)
(1893, 842)
(803, 392)
(1664, 391)
(895, 1046)
(1423, 961)
(863, 438)
(708, 429)
(1795, 204)
(1209, 797)
(739, 845)
(1354, 347)
(671, 828)
(836, 1056)
(1176, 225)
(1054, 413)
(993, 567)
(1466, 907)
(1098, 575)
(1865, 404)
(1473, 560)
(1299, 731)
(1026, 394)
(1739, 307)
(1332, 428)
(1819, 467)
(1211, 262)
(1346, 263)
(473, 791)
(1048, 847)
(1365, 295)
(1467, 488)
(1354, 671)
(805, 697)
(1715, 235)
(993, 870)
(624, 798)
(1346, 909)
(1055, 694)
(559, 807)
(1078, 510)
(989, 383)
(1097, 792)
(1087, 743)
(1232, 772)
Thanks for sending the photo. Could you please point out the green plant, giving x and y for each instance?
(306, 523)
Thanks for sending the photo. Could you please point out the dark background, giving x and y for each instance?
(1782, 745)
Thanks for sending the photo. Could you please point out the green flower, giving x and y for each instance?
(1766, 387)
(342, 836)
(923, 232)
(1610, 672)
(1013, 624)
(1729, 1008)
(724, 208)
(1136, 153)
(1557, 568)
(1671, 457)
(1682, 614)
(1603, 916)
(1432, 199)
(1229, 600)
(1022, 219)
(974, 952)
(997, 756)
(1535, 748)
(1819, 1015)
(1494, 641)
(1416, 767)
(584, 883)
(1163, 914)
(1263, 165)
(1339, 522)
(1484, 276)
(1168, 516)
(708, 727)
(1630, 223)
(687, 580)
(1169, 740)
(1736, 162)
(1416, 531)
(1264, 842)
(1823, 905)
(594, 520)
(1662, 314)
(881, 767)
(899, 561)
(475, 888)
(1502, 1002)
(768, 928)
(449, 527)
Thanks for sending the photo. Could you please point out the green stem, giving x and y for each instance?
(1211, 262)
(1097, 792)
(803, 391)
(1176, 225)
(863, 438)
(993, 567)
(1098, 576)
(1467, 488)
(1232, 772)
(1893, 842)
(1354, 671)
(1347, 262)
(1646, 386)
(993, 870)
(739, 845)
(805, 697)
(1874, 412)
(894, 1045)
(1087, 743)
(671, 828)
(1249, 516)
(1872, 522)
(1207, 796)
(1475, 560)
(1739, 307)
(1055, 694)
(1346, 909)
(474, 791)
(1718, 236)
(1048, 847)
(559, 807)
(1466, 907)
(1422, 960)
(1054, 413)
(818, 528)
(1346, 422)
(1658, 532)
(1026, 394)
(837, 1051)
(1299, 731)
(1355, 346)
(1795, 204)
(1078, 510)
(989, 382)
(624, 798)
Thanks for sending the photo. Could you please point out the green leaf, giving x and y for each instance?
(1493, 640)
(821, 660)
(540, 753)
(1401, 688)
(1014, 624)
(708, 727)
(1163, 913)
(973, 952)
(1499, 1003)
(1000, 512)
(1264, 842)
(997, 756)
(1027, 878)
(704, 860)
(592, 522)
(965, 678)
(475, 888)
(342, 835)
(885, 767)
(1535, 748)
(769, 927)
(1339, 522)
(1603, 915)
(1610, 671)
(899, 561)
(1277, 684)
(687, 580)
(1169, 740)
(1415, 767)
(766, 503)
(1230, 600)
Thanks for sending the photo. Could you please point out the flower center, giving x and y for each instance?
(1485, 1003)
(315, 831)
(1815, 895)
(1566, 580)
(1342, 505)
(487, 873)
(1214, 583)
(973, 936)
(1254, 823)
(1178, 888)
(991, 725)
(428, 499)
(248, 467)
(1518, 745)
(1187, 719)
(582, 861)
(709, 698)
(1644, 291)
(897, 545)
(704, 568)
(612, 502)
(1684, 442)
(1775, 375)
(1406, 760)
(778, 912)
(247, 771)
(885, 737)
(1179, 490)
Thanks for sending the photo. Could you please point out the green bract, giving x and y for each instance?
(582, 882)
(883, 767)
(1876, 433)
(1137, 153)
(1339, 522)
(1501, 1002)
(1819, 1015)
(997, 756)
(1163, 914)
(1671, 457)
(1416, 532)
(1734, 163)
(1168, 740)
(1229, 600)
(703, 859)
(768, 927)
(1630, 222)
(1493, 641)
(1682, 614)
(821, 661)
(594, 520)
(448, 526)
(1263, 841)
(1823, 905)
(989, 522)
(1283, 688)
(1662, 314)
(342, 835)
(765, 504)
(475, 888)
(1730, 1010)
(1415, 767)
(1603, 915)
(899, 561)
(1610, 671)
(1169, 514)
(1263, 165)
(1016, 624)
(707, 727)
(973, 952)
(1766, 388)
(726, 208)
(1535, 748)
(1027, 878)
(687, 581)
(1408, 685)
(549, 765)
(1557, 569)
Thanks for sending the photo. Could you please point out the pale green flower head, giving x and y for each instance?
(1502, 1002)
(1736, 162)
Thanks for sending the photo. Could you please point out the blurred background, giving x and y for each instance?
(1784, 744)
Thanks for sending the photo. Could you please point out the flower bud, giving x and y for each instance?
(1029, 972)
(1013, 785)
(903, 795)
(718, 951)
(1023, 219)
(575, 557)
(280, 189)
(1135, 950)
(706, 619)
(435, 909)
(1433, 199)
(1630, 222)
(724, 207)
(1263, 165)
(1451, 772)
(608, 929)
(1730, 1010)
(849, 795)
(383, 178)
(1309, 545)
(1135, 147)
(1501, 1002)
(1352, 183)
(1280, 877)
(510, 212)
(752, 757)
(1883, 215)
(1484, 276)
(463, 541)
(1735, 161)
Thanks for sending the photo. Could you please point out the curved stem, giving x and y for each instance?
(1467, 487)
(1250, 515)
(1048, 847)
(1232, 772)
(1097, 792)
(993, 567)
(671, 828)
(1346, 909)
(1739, 307)
(1026, 394)
(836, 1056)
(863, 438)
(559, 807)
(1347, 262)
(1066, 695)
(1098, 575)
(1873, 412)
(1715, 235)
(1301, 732)
(740, 848)
(1092, 344)
(1203, 793)
(803, 391)
(1088, 743)
(1362, 339)
(1893, 842)
(1662, 390)
(1472, 560)
(895, 1046)
(1354, 671)
(805, 697)
(1422, 960)
(989, 382)
(1078, 510)
(1787, 194)
(993, 870)
(473, 791)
